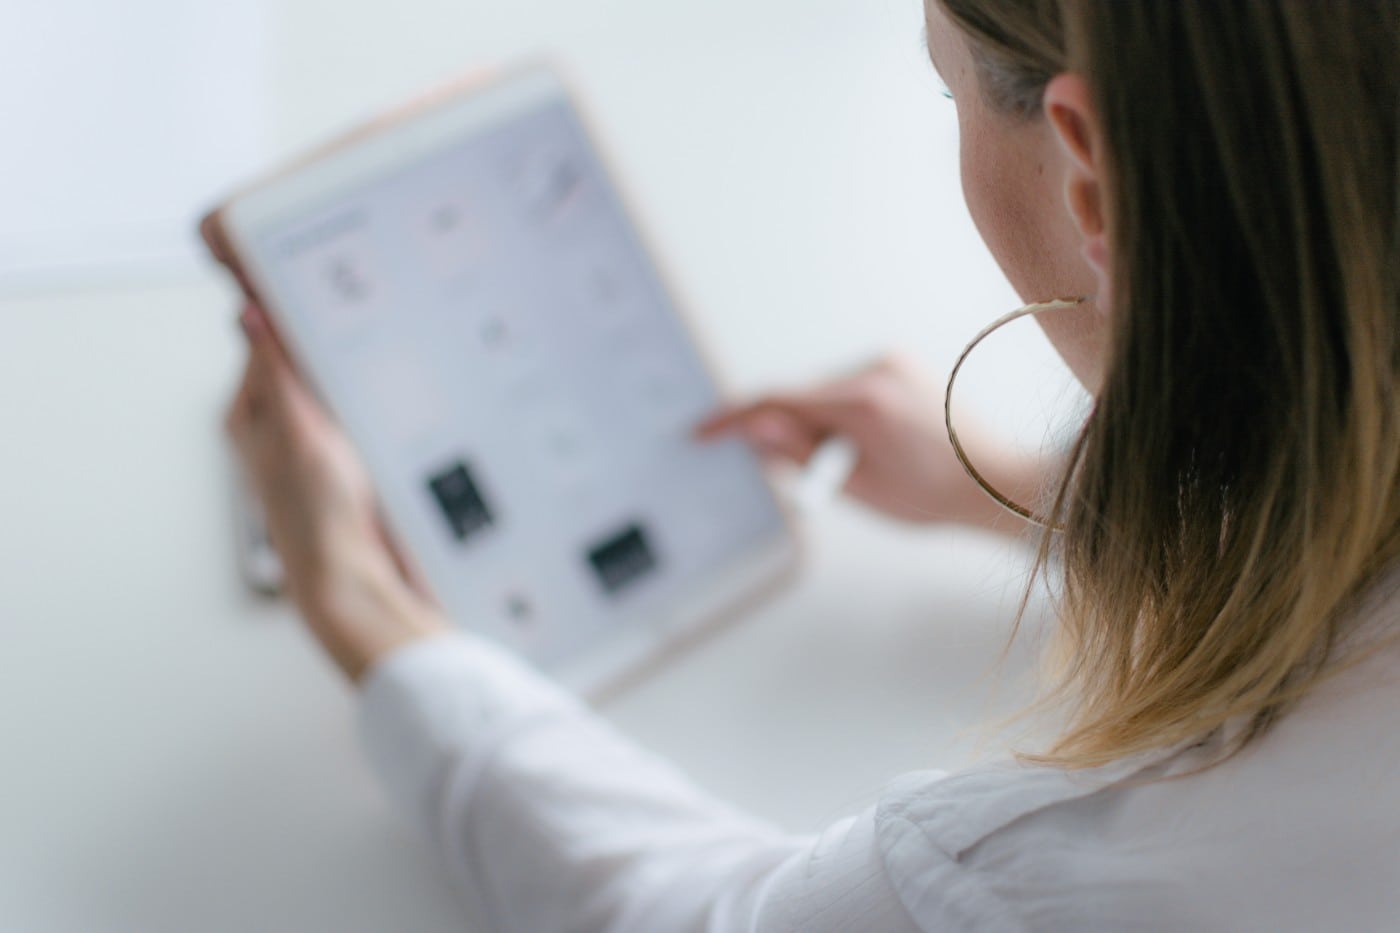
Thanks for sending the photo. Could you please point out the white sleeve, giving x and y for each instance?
(548, 819)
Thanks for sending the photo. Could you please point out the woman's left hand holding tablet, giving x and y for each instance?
(344, 575)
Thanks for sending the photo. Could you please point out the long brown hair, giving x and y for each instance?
(1237, 485)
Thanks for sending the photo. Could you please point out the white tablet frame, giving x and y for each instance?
(406, 136)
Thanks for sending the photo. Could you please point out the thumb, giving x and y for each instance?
(281, 386)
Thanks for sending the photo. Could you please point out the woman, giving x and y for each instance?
(1221, 178)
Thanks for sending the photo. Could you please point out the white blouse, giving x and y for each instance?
(549, 820)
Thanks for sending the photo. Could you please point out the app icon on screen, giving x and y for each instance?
(461, 501)
(550, 182)
(450, 235)
(338, 278)
(623, 559)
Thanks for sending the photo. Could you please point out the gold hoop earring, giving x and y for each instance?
(1058, 304)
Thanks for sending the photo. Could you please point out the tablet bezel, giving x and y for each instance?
(408, 135)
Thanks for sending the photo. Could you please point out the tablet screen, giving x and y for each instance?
(488, 325)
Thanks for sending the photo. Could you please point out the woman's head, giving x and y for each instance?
(1015, 165)
(1231, 169)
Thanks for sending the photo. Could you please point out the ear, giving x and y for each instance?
(1070, 112)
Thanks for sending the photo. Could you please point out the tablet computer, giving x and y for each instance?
(465, 288)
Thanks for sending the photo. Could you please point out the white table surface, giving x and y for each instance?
(176, 756)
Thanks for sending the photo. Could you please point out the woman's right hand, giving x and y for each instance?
(892, 411)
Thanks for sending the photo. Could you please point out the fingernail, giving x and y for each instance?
(705, 428)
(252, 324)
(767, 434)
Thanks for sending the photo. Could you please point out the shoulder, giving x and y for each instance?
(1297, 831)
(1016, 847)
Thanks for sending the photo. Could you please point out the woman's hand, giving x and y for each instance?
(341, 570)
(893, 413)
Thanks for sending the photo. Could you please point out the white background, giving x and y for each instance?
(176, 757)
(130, 112)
